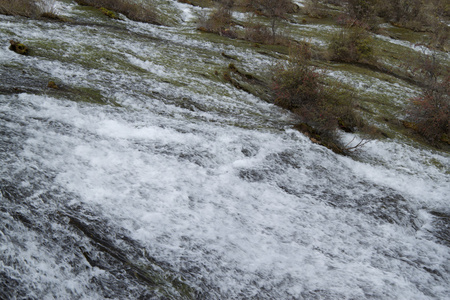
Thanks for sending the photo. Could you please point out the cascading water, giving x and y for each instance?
(144, 176)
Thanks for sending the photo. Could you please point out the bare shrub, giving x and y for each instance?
(296, 84)
(228, 4)
(27, 8)
(430, 112)
(322, 107)
(297, 87)
(218, 21)
(424, 68)
(440, 36)
(257, 33)
(352, 45)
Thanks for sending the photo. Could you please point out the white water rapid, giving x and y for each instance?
(144, 176)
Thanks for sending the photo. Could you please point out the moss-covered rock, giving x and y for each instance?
(18, 47)
(51, 84)
(109, 13)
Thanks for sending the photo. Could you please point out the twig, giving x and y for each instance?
(361, 143)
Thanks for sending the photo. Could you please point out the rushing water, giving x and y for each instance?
(146, 177)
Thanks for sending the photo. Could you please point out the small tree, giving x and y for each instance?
(363, 11)
(275, 10)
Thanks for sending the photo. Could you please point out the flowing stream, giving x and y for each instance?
(146, 176)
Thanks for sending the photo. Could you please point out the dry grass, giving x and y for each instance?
(136, 11)
(218, 21)
(26, 8)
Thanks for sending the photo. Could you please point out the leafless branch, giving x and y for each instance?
(358, 146)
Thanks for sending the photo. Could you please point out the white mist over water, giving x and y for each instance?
(219, 189)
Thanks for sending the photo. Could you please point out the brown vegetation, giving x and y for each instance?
(141, 12)
(429, 113)
(363, 11)
(417, 15)
(30, 9)
(352, 45)
(25, 8)
(258, 33)
(274, 10)
(414, 14)
(322, 109)
(218, 21)
(315, 9)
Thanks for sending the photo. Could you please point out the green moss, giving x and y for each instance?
(54, 17)
(109, 13)
(18, 47)
(81, 94)
(439, 165)
(51, 84)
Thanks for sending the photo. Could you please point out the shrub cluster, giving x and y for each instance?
(300, 88)
(352, 45)
(321, 107)
(258, 33)
(430, 112)
(219, 21)
(414, 14)
(419, 15)
(295, 83)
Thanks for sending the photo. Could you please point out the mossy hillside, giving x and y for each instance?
(380, 95)
(89, 15)
(15, 81)
(193, 73)
(86, 55)
(198, 66)
(404, 34)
